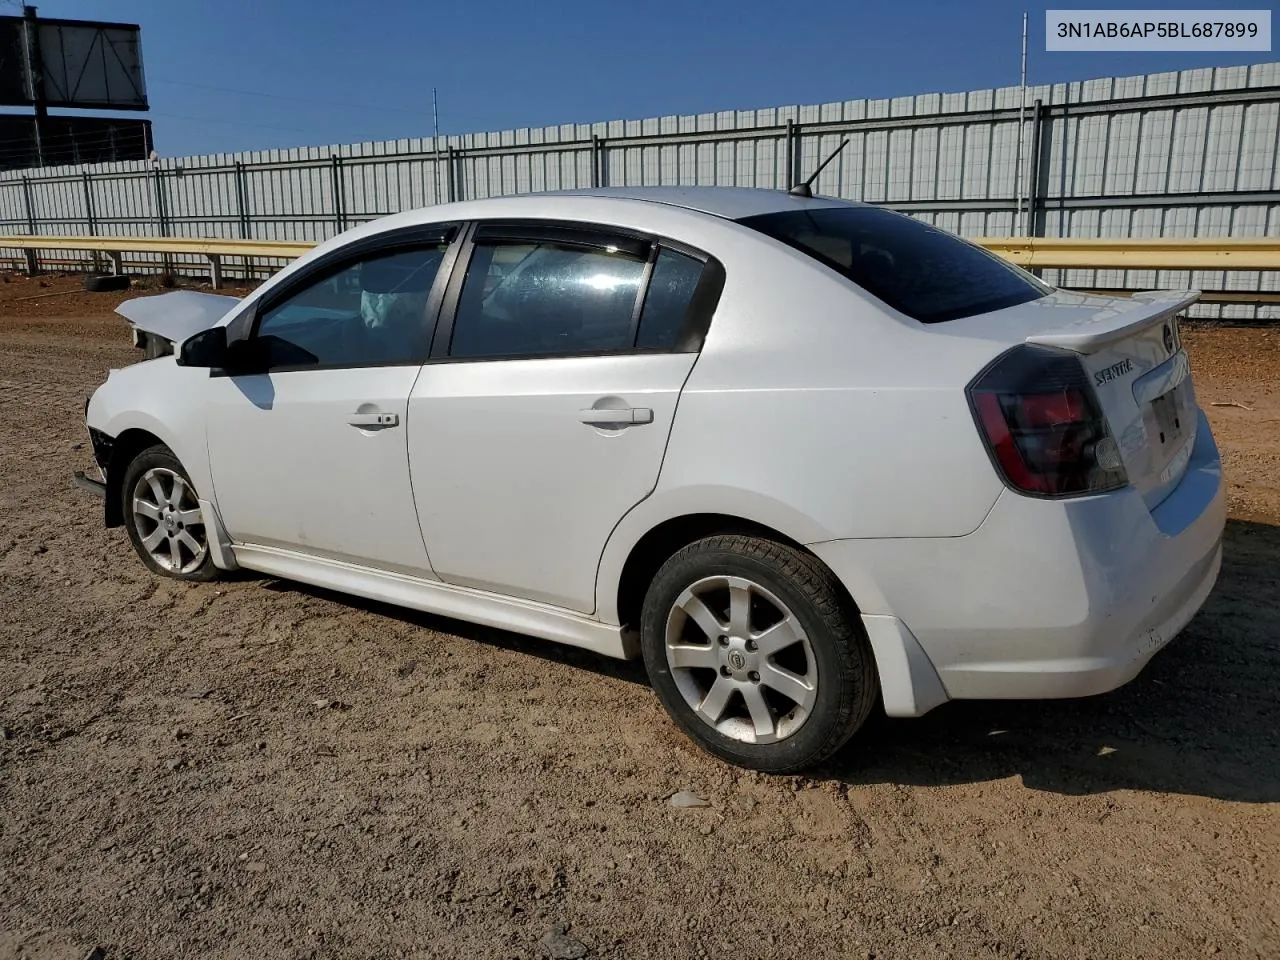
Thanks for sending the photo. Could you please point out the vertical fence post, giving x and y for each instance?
(595, 162)
(789, 153)
(166, 265)
(33, 262)
(1062, 191)
(435, 168)
(1034, 221)
(91, 220)
(242, 201)
(335, 186)
(449, 173)
(242, 213)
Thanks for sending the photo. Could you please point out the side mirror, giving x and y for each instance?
(208, 348)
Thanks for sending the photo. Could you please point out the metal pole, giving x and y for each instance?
(87, 181)
(1022, 128)
(33, 262)
(1062, 189)
(335, 181)
(35, 76)
(1033, 167)
(789, 159)
(242, 213)
(435, 140)
(242, 201)
(162, 219)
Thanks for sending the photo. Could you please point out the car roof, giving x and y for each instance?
(732, 203)
(729, 203)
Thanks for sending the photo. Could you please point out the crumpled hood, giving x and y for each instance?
(177, 315)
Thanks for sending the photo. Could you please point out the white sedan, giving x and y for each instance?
(802, 455)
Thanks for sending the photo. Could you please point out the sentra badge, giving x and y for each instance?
(1107, 374)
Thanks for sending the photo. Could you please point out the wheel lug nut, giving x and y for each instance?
(722, 640)
(754, 677)
(751, 644)
(724, 671)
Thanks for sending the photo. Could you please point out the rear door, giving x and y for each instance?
(544, 414)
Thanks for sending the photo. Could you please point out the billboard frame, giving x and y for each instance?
(35, 65)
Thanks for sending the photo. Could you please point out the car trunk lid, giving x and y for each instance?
(1132, 354)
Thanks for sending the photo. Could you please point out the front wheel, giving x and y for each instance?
(163, 517)
(754, 652)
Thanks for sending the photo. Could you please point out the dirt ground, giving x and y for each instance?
(255, 768)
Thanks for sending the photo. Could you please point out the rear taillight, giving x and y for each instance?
(1043, 426)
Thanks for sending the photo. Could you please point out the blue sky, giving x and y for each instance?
(250, 74)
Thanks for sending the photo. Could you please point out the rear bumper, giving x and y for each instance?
(1047, 598)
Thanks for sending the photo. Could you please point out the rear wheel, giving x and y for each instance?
(755, 653)
(163, 517)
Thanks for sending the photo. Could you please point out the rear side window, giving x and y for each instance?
(666, 304)
(919, 270)
(546, 299)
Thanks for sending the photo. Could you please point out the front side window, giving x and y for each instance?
(370, 312)
(919, 270)
(530, 299)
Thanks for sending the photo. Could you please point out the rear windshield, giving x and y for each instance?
(919, 270)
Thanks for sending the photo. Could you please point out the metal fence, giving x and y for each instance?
(1164, 155)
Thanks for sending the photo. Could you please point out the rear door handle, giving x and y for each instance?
(374, 419)
(601, 417)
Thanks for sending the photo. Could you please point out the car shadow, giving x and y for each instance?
(631, 671)
(1202, 719)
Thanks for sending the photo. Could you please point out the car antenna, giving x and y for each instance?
(804, 189)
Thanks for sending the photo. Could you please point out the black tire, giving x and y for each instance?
(107, 283)
(846, 686)
(161, 459)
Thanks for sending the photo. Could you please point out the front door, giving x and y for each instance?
(310, 453)
(547, 416)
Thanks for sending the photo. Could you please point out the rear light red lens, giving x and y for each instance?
(1043, 426)
(1052, 409)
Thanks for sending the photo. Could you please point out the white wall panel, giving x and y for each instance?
(1205, 161)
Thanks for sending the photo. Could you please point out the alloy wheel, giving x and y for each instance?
(741, 659)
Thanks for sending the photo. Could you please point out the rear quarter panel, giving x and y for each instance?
(816, 411)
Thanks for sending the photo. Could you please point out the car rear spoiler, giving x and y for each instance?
(1144, 309)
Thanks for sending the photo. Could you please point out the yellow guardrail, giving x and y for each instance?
(208, 246)
(1140, 253)
(211, 247)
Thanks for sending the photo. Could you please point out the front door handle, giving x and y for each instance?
(603, 417)
(374, 419)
